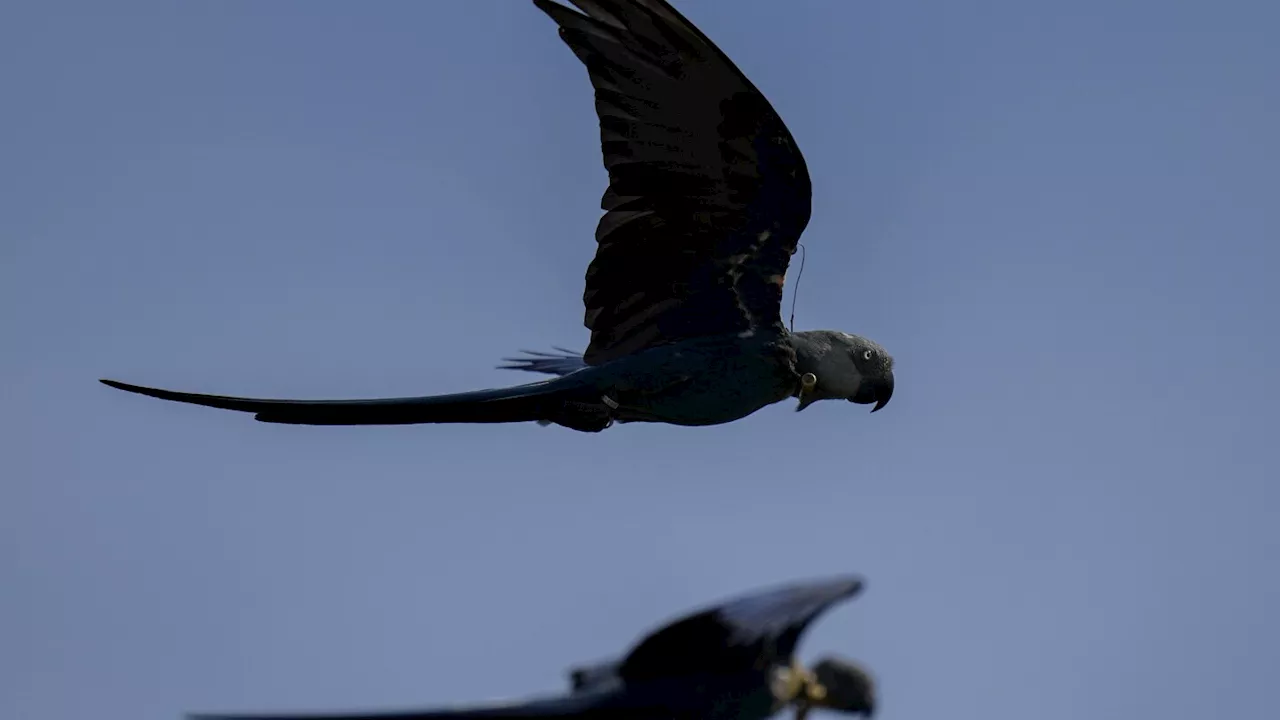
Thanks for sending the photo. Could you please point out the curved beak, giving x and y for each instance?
(884, 391)
(876, 390)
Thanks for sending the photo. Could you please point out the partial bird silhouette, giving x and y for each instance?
(731, 661)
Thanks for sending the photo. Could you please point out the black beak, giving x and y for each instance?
(884, 391)
(877, 390)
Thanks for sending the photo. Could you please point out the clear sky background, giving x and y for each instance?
(1061, 218)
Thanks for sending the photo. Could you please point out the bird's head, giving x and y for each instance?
(840, 366)
(850, 689)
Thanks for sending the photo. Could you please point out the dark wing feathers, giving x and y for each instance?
(747, 633)
(708, 193)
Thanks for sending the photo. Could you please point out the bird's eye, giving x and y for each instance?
(866, 354)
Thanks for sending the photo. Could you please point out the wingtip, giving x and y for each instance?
(853, 582)
(847, 585)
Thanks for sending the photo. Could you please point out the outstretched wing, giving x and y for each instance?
(708, 193)
(582, 706)
(748, 633)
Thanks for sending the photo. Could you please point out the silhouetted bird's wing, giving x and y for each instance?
(708, 193)
(747, 633)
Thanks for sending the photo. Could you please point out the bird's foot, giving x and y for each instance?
(585, 417)
(798, 684)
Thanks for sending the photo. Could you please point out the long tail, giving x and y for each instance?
(566, 707)
(532, 402)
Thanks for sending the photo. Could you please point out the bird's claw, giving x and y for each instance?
(798, 683)
(583, 416)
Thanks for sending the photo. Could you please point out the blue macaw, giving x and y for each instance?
(708, 196)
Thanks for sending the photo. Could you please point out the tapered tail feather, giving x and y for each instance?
(522, 403)
(569, 707)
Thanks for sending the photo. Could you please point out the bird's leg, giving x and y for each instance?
(805, 394)
(584, 416)
(797, 684)
(808, 382)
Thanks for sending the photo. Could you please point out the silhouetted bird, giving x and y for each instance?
(732, 661)
(708, 195)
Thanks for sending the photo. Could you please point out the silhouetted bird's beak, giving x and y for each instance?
(876, 390)
(884, 391)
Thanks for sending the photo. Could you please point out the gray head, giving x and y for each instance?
(844, 367)
(850, 688)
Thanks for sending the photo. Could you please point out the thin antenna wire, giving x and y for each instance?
(796, 291)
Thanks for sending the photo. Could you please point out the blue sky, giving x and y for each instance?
(1061, 218)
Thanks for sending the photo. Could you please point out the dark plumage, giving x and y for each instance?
(731, 661)
(708, 196)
